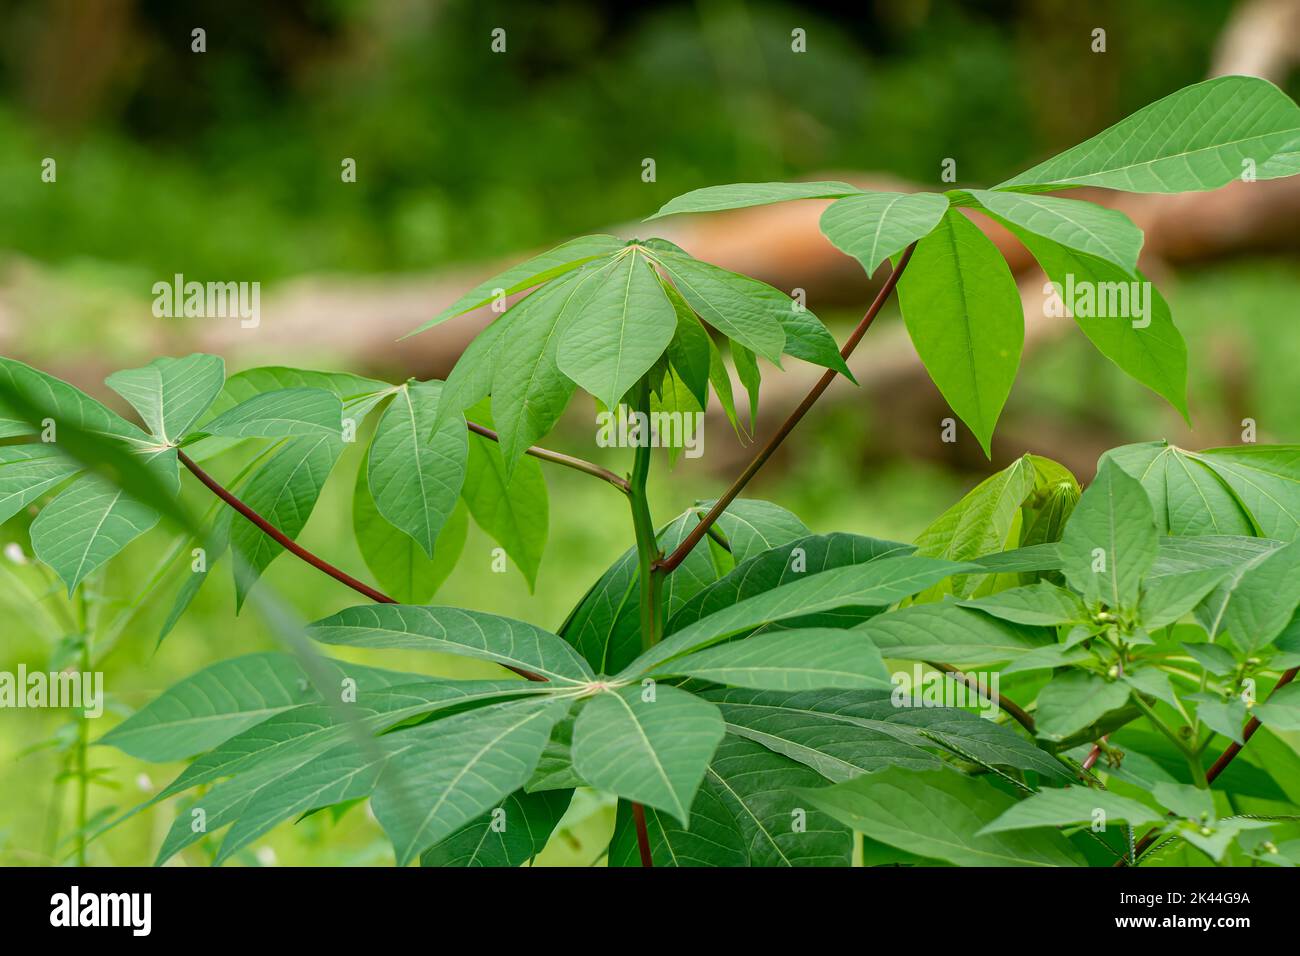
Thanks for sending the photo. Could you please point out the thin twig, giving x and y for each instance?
(669, 564)
(294, 548)
(559, 458)
(1014, 710)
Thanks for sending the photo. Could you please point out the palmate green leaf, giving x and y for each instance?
(740, 195)
(225, 698)
(806, 659)
(279, 745)
(843, 733)
(394, 558)
(622, 322)
(1197, 138)
(1282, 709)
(1074, 700)
(650, 745)
(341, 768)
(1187, 496)
(1110, 541)
(985, 518)
(24, 390)
(1256, 600)
(1082, 226)
(1167, 598)
(554, 262)
(950, 633)
(761, 790)
(1265, 479)
(415, 473)
(508, 835)
(284, 491)
(753, 526)
(512, 510)
(357, 394)
(745, 305)
(529, 392)
(791, 561)
(29, 471)
(714, 838)
(1054, 808)
(1042, 604)
(872, 226)
(444, 774)
(282, 413)
(749, 312)
(88, 523)
(171, 393)
(451, 630)
(939, 815)
(963, 312)
(1103, 299)
(691, 348)
(877, 583)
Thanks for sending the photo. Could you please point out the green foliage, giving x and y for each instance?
(737, 698)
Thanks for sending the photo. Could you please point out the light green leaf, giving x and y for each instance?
(955, 635)
(282, 413)
(514, 510)
(1042, 603)
(1070, 805)
(1167, 598)
(29, 471)
(1110, 541)
(962, 310)
(690, 349)
(653, 751)
(444, 774)
(393, 557)
(1256, 599)
(454, 631)
(872, 226)
(284, 492)
(1265, 479)
(739, 195)
(415, 473)
(221, 700)
(622, 322)
(85, 525)
(753, 526)
(510, 838)
(554, 262)
(877, 583)
(1282, 709)
(745, 310)
(1222, 716)
(529, 392)
(61, 402)
(807, 659)
(1196, 138)
(939, 815)
(1075, 700)
(1215, 659)
(1188, 497)
(171, 393)
(1122, 314)
(1082, 226)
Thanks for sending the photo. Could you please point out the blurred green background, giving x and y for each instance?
(227, 164)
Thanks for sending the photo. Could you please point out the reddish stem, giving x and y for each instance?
(642, 835)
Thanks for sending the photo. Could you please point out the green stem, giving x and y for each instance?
(647, 548)
(1193, 761)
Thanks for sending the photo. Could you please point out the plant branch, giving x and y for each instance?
(559, 458)
(1014, 710)
(669, 564)
(642, 835)
(294, 548)
(1220, 765)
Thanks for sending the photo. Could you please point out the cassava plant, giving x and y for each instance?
(733, 679)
